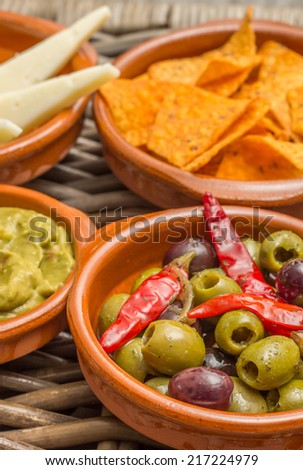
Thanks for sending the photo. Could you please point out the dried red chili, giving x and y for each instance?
(277, 317)
(231, 251)
(145, 305)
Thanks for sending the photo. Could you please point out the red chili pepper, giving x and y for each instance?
(142, 307)
(231, 251)
(277, 317)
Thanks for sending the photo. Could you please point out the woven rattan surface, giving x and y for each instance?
(31, 414)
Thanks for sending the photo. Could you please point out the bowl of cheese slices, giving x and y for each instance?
(47, 73)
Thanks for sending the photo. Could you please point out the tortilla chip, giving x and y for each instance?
(227, 86)
(281, 71)
(211, 168)
(269, 51)
(286, 63)
(242, 42)
(225, 67)
(290, 151)
(295, 100)
(253, 113)
(190, 121)
(235, 56)
(252, 159)
(134, 105)
(274, 94)
(186, 70)
(144, 78)
(268, 128)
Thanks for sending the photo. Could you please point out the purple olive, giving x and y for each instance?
(205, 254)
(216, 359)
(202, 387)
(172, 312)
(270, 278)
(197, 325)
(289, 282)
(206, 330)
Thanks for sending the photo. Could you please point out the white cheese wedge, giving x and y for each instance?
(8, 130)
(33, 106)
(47, 57)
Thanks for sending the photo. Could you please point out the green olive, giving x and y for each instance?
(210, 283)
(268, 363)
(236, 330)
(287, 397)
(143, 276)
(253, 247)
(170, 346)
(110, 310)
(278, 248)
(160, 384)
(244, 399)
(129, 357)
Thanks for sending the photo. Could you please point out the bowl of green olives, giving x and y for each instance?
(187, 338)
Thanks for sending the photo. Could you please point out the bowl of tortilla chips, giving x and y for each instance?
(216, 107)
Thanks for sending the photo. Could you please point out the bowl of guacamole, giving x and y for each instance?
(40, 243)
(36, 258)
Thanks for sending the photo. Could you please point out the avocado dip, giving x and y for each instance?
(36, 257)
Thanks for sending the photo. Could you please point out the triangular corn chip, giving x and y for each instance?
(261, 158)
(253, 113)
(134, 105)
(237, 55)
(227, 86)
(252, 158)
(189, 122)
(295, 100)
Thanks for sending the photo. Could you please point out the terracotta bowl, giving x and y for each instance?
(109, 265)
(31, 330)
(36, 152)
(167, 186)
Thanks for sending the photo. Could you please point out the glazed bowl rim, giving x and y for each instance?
(100, 363)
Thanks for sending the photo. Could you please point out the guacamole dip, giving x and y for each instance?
(36, 257)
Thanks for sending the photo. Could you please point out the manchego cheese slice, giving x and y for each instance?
(34, 105)
(47, 57)
(8, 130)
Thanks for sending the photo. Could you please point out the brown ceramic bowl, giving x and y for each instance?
(168, 186)
(33, 329)
(36, 152)
(109, 265)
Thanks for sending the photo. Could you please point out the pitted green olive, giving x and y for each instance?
(238, 329)
(268, 363)
(280, 247)
(210, 283)
(170, 346)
